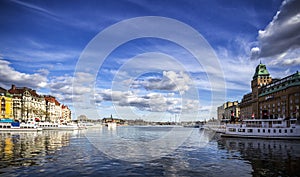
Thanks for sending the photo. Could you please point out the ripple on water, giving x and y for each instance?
(68, 154)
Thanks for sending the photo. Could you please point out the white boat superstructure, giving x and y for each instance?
(58, 126)
(18, 127)
(279, 128)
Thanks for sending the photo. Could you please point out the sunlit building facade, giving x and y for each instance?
(271, 98)
(6, 101)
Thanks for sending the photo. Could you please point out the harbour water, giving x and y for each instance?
(72, 153)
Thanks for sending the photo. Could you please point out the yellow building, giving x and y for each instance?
(6, 107)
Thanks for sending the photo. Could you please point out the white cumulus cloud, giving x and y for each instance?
(9, 76)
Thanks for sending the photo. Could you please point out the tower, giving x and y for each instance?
(261, 78)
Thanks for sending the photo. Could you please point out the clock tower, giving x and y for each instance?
(261, 78)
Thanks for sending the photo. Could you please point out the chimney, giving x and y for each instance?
(13, 87)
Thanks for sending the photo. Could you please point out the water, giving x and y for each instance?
(71, 153)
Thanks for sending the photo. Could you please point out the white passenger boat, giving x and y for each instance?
(58, 126)
(279, 128)
(18, 127)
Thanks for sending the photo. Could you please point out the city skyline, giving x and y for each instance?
(42, 41)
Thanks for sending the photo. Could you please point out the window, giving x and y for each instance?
(285, 131)
(241, 130)
(274, 130)
(269, 131)
(264, 131)
(232, 129)
(258, 130)
(279, 130)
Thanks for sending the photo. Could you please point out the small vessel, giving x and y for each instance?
(278, 128)
(9, 125)
(58, 126)
(111, 125)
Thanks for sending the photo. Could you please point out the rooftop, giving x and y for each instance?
(261, 70)
(291, 80)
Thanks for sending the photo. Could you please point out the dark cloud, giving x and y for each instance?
(282, 33)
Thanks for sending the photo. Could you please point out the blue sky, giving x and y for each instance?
(41, 43)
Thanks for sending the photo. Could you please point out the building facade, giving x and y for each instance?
(229, 109)
(271, 98)
(27, 104)
(6, 102)
(66, 113)
(22, 103)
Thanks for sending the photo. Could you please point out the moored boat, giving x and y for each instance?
(58, 126)
(111, 125)
(9, 125)
(279, 128)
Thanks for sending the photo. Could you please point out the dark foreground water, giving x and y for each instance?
(62, 153)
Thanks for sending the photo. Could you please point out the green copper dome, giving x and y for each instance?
(261, 70)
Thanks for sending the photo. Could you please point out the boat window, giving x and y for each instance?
(249, 130)
(232, 129)
(269, 131)
(258, 130)
(279, 130)
(241, 130)
(274, 130)
(285, 131)
(291, 130)
(264, 131)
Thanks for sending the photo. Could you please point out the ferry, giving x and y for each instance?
(58, 126)
(278, 128)
(9, 125)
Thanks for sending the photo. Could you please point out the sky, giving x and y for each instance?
(154, 60)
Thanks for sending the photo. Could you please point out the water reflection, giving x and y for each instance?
(30, 148)
(267, 157)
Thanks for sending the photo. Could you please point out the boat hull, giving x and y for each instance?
(20, 129)
(260, 137)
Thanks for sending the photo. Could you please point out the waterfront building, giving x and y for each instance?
(27, 104)
(229, 110)
(271, 98)
(66, 113)
(6, 107)
(54, 110)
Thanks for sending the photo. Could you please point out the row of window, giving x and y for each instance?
(9, 126)
(48, 125)
(263, 130)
